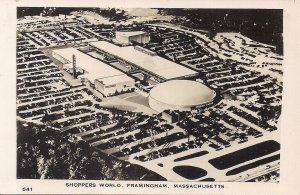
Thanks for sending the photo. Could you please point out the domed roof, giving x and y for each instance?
(182, 93)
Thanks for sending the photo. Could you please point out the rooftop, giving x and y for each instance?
(95, 69)
(130, 33)
(115, 79)
(182, 92)
(157, 65)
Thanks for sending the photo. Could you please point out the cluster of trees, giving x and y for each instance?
(112, 13)
(265, 26)
(46, 11)
(43, 153)
(124, 91)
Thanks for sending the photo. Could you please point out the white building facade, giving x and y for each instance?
(114, 85)
(127, 37)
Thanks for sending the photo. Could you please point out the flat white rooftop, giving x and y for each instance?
(130, 33)
(95, 68)
(157, 65)
(115, 79)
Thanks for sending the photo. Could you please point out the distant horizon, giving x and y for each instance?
(263, 25)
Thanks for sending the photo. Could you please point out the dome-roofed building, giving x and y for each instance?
(182, 95)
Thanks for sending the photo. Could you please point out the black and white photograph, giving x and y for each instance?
(149, 97)
(149, 94)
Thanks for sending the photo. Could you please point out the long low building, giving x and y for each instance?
(152, 64)
(103, 77)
